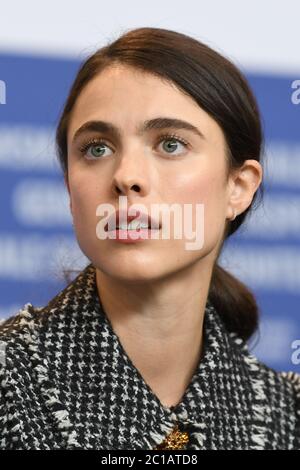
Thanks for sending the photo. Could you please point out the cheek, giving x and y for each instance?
(84, 199)
(205, 188)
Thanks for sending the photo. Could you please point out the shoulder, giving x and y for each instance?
(274, 381)
(29, 330)
(28, 346)
(23, 339)
(293, 380)
(30, 321)
(16, 330)
(275, 395)
(39, 331)
(16, 337)
(30, 339)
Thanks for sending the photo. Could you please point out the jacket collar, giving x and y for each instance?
(224, 406)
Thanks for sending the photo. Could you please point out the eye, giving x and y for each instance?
(93, 149)
(172, 143)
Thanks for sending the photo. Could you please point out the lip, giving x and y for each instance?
(123, 216)
(131, 236)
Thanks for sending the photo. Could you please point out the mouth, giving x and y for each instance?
(131, 227)
(124, 221)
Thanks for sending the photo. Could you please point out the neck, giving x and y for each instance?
(159, 324)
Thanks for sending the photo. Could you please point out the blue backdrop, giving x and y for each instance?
(36, 237)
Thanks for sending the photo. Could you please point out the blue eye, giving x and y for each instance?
(174, 142)
(96, 148)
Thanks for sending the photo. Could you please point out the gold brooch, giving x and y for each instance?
(174, 441)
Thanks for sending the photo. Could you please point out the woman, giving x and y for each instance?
(146, 348)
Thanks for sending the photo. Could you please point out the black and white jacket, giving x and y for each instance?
(67, 383)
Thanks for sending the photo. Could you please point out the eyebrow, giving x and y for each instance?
(157, 123)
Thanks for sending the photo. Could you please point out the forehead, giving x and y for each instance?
(127, 96)
(129, 84)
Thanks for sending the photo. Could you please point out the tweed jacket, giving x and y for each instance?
(66, 382)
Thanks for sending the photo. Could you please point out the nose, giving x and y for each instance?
(131, 175)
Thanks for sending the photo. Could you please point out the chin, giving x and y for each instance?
(135, 273)
(130, 272)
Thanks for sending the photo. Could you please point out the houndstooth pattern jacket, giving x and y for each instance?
(67, 383)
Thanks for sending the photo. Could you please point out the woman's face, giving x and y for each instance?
(146, 168)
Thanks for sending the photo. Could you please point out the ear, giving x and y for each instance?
(242, 186)
(68, 188)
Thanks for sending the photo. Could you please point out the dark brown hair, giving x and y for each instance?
(221, 90)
